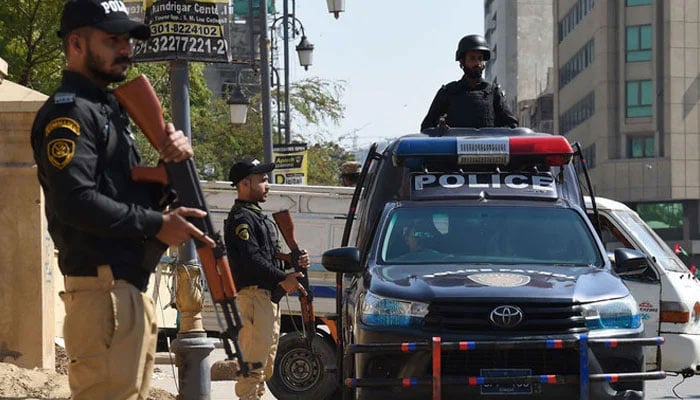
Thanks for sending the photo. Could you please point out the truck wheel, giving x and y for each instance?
(299, 374)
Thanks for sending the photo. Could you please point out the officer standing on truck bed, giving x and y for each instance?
(470, 102)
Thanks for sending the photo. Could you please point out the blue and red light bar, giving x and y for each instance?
(552, 150)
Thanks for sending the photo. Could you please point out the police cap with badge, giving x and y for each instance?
(111, 16)
(247, 166)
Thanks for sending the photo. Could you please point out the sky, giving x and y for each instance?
(393, 56)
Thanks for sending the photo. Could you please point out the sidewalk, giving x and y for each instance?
(165, 377)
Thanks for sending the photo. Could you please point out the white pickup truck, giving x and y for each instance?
(668, 296)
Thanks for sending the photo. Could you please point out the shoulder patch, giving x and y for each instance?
(242, 231)
(60, 152)
(63, 122)
(63, 98)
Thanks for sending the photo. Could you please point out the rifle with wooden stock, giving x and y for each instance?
(284, 222)
(139, 99)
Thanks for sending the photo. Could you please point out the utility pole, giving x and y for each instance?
(191, 347)
(287, 118)
(265, 84)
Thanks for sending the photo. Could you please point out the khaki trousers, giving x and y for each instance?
(258, 339)
(110, 333)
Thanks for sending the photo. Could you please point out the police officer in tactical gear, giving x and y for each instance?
(109, 230)
(470, 102)
(253, 250)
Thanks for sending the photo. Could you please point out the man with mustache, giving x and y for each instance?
(252, 243)
(110, 231)
(470, 102)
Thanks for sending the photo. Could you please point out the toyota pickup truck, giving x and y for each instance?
(473, 271)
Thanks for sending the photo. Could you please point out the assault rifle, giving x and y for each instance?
(140, 101)
(286, 225)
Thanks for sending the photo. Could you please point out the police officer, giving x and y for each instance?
(109, 231)
(350, 173)
(470, 102)
(253, 250)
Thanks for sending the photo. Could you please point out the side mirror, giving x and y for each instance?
(629, 262)
(342, 260)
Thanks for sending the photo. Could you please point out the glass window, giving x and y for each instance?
(644, 238)
(638, 43)
(632, 3)
(661, 215)
(449, 235)
(639, 99)
(641, 147)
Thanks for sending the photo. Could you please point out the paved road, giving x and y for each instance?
(165, 374)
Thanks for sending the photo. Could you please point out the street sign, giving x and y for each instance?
(290, 164)
(182, 30)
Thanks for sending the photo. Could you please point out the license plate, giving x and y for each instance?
(506, 388)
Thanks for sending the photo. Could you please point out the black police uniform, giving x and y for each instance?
(252, 243)
(96, 214)
(481, 106)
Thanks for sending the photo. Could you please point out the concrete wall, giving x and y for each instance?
(26, 256)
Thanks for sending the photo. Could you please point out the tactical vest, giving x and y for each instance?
(470, 108)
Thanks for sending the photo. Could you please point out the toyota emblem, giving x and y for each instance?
(506, 316)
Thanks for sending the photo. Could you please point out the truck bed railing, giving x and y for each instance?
(437, 347)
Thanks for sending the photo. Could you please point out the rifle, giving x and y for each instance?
(140, 101)
(286, 225)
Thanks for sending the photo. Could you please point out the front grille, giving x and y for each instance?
(473, 318)
(470, 363)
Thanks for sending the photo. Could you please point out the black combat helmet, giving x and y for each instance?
(472, 42)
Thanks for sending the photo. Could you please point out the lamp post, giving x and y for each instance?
(304, 50)
(335, 7)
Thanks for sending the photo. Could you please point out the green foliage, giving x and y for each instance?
(29, 43)
(326, 159)
(317, 100)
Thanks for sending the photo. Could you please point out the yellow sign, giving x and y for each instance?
(290, 164)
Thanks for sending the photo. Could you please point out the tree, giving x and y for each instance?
(30, 44)
(324, 162)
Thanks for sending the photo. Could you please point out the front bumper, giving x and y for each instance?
(474, 363)
(680, 352)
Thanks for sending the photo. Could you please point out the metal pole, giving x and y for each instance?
(285, 23)
(191, 349)
(265, 84)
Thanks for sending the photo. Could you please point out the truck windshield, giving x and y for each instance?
(486, 235)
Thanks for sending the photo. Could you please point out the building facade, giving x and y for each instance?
(626, 87)
(519, 34)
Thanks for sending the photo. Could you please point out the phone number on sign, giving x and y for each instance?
(183, 44)
(164, 28)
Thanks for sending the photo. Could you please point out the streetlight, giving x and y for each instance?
(305, 50)
(238, 106)
(336, 7)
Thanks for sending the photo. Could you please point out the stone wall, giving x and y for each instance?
(27, 327)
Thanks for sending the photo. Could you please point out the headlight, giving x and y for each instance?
(612, 314)
(384, 311)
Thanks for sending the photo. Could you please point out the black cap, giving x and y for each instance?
(111, 16)
(246, 167)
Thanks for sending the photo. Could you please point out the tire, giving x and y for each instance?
(298, 374)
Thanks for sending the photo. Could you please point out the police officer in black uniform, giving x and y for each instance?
(253, 247)
(470, 102)
(109, 230)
